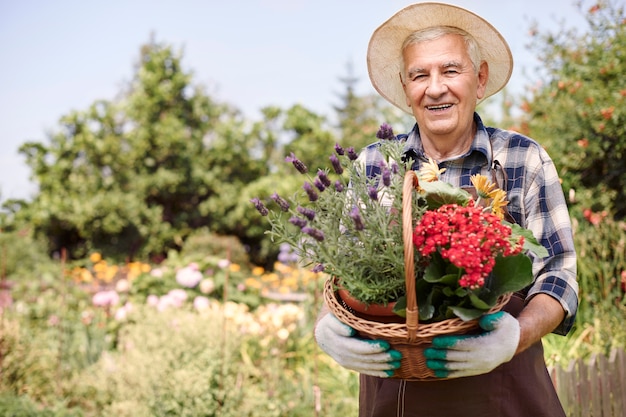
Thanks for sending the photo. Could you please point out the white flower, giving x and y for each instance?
(123, 285)
(207, 286)
(189, 276)
(201, 303)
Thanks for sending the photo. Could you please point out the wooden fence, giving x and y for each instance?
(593, 388)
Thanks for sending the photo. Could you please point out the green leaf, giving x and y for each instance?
(439, 193)
(466, 314)
(400, 307)
(530, 242)
(511, 274)
(478, 303)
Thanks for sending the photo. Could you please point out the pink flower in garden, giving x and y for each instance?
(201, 303)
(105, 298)
(152, 300)
(189, 276)
(223, 263)
(122, 313)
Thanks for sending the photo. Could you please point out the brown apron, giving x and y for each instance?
(519, 388)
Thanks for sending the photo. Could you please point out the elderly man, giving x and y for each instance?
(437, 62)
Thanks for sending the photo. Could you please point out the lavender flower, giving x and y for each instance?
(386, 174)
(318, 268)
(385, 132)
(372, 192)
(356, 218)
(314, 233)
(323, 177)
(306, 212)
(339, 149)
(352, 155)
(338, 186)
(310, 192)
(302, 169)
(259, 206)
(319, 184)
(297, 221)
(282, 203)
(336, 164)
(395, 168)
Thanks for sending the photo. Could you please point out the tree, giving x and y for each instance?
(136, 176)
(579, 112)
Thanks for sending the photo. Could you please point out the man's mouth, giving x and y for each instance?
(439, 107)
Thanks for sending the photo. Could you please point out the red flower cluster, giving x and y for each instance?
(467, 237)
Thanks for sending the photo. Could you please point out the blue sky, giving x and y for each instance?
(62, 55)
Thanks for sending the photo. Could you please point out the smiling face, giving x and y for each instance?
(442, 87)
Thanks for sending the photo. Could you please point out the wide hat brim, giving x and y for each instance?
(384, 50)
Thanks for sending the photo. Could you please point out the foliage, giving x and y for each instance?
(578, 113)
(601, 248)
(187, 359)
(135, 177)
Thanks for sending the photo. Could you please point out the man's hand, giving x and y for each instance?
(457, 356)
(371, 357)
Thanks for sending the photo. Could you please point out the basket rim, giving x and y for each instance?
(400, 331)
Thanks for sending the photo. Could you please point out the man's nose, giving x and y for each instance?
(436, 86)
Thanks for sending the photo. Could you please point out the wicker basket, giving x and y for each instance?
(409, 338)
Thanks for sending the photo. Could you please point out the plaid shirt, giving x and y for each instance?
(536, 200)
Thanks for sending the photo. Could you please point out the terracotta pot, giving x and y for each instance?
(374, 312)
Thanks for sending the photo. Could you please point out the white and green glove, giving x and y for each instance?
(457, 356)
(371, 357)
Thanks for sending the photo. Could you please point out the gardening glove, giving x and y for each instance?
(371, 357)
(457, 356)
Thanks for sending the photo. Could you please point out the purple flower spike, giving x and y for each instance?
(336, 164)
(338, 186)
(352, 155)
(386, 175)
(306, 212)
(373, 193)
(357, 219)
(339, 149)
(323, 177)
(318, 268)
(394, 167)
(282, 203)
(319, 184)
(259, 206)
(302, 169)
(314, 233)
(297, 221)
(385, 132)
(310, 192)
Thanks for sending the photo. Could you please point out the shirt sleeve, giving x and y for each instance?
(548, 218)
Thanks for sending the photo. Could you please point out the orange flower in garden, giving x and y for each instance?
(583, 143)
(607, 113)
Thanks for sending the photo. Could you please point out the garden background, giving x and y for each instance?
(138, 280)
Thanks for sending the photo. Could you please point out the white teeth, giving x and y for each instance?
(443, 106)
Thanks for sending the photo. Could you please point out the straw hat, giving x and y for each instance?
(384, 51)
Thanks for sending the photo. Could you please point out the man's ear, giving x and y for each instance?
(483, 77)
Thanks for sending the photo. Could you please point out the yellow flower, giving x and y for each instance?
(430, 171)
(95, 257)
(258, 271)
(484, 187)
(498, 203)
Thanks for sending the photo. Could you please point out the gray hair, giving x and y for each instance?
(437, 32)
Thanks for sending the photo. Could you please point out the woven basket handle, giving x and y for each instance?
(412, 314)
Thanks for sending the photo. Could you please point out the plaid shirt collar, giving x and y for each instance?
(481, 143)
